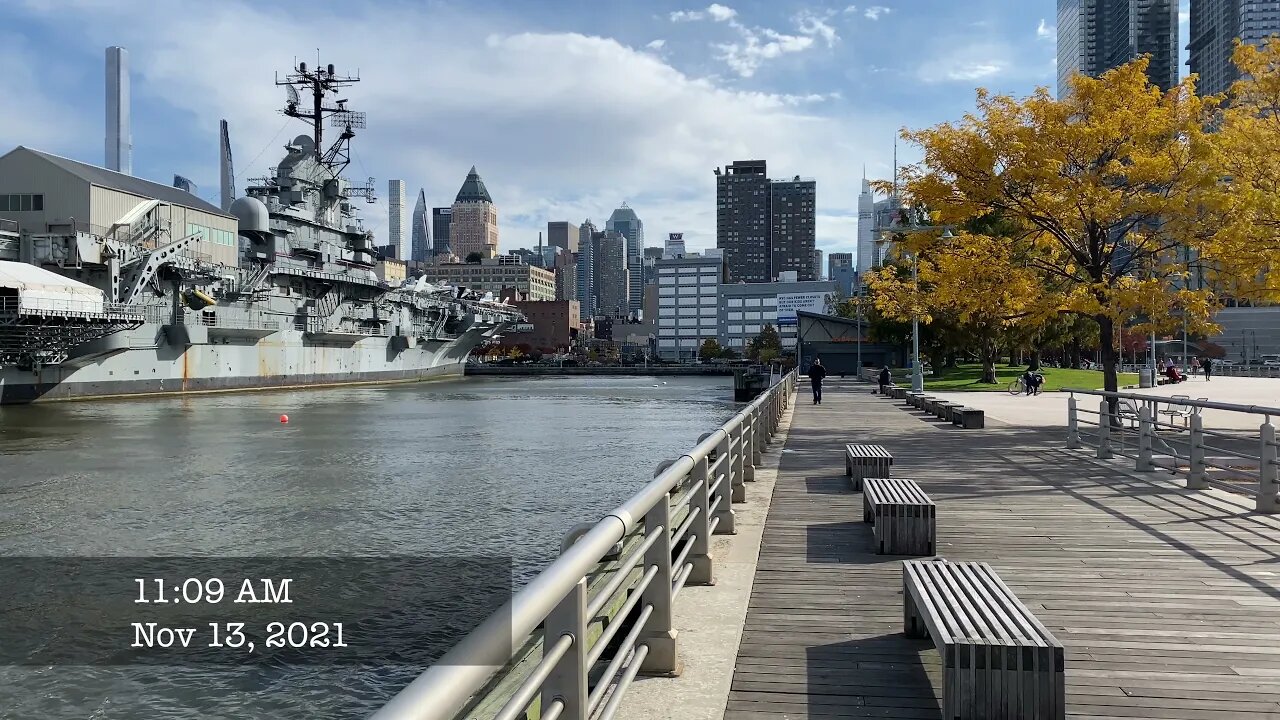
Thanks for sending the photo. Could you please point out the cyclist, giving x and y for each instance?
(1032, 380)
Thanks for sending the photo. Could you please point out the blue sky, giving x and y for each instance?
(566, 107)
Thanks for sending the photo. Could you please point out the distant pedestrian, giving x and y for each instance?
(816, 373)
(886, 380)
(1206, 364)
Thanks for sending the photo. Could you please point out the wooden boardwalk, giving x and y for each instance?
(1168, 601)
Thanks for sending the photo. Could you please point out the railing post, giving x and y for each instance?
(568, 681)
(757, 440)
(744, 455)
(1267, 469)
(1196, 474)
(1104, 430)
(737, 491)
(1145, 432)
(658, 632)
(1073, 424)
(724, 511)
(700, 502)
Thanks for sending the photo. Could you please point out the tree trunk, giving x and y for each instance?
(1106, 343)
(1035, 359)
(1074, 351)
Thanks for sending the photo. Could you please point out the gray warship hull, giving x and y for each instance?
(145, 361)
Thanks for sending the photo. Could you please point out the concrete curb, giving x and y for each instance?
(710, 619)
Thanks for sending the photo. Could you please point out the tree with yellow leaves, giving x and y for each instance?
(1248, 151)
(1103, 189)
(973, 279)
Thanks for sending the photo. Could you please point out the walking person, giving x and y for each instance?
(816, 373)
(1206, 364)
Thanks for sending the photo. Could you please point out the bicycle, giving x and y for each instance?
(1018, 387)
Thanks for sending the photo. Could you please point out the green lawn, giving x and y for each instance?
(965, 377)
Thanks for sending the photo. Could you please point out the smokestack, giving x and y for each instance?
(119, 141)
(224, 165)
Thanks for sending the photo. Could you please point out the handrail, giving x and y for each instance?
(1151, 447)
(556, 598)
(1210, 404)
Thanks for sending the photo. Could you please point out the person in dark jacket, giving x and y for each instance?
(816, 373)
(886, 380)
(1207, 365)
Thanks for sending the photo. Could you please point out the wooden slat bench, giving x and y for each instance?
(998, 660)
(864, 461)
(905, 519)
(968, 418)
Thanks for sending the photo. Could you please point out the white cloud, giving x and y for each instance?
(1046, 32)
(544, 152)
(810, 24)
(1184, 17)
(656, 44)
(721, 13)
(875, 11)
(967, 63)
(851, 10)
(714, 11)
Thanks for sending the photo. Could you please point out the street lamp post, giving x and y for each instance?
(917, 377)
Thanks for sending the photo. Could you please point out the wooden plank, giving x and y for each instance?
(1166, 600)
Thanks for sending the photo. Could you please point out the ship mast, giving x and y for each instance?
(319, 83)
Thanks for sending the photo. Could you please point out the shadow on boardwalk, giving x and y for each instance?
(1165, 599)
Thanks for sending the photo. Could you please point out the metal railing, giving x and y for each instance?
(65, 307)
(623, 572)
(1131, 425)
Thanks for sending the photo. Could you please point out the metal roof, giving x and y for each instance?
(103, 177)
(473, 189)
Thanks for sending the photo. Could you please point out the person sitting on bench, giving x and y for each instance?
(886, 380)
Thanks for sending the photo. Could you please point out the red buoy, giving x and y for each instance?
(284, 418)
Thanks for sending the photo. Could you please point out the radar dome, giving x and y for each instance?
(252, 214)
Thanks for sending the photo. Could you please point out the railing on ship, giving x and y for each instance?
(576, 636)
(14, 306)
(1169, 433)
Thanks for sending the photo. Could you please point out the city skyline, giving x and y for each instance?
(712, 85)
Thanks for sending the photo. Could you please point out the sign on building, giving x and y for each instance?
(788, 305)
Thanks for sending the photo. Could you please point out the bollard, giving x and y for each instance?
(1267, 469)
(658, 632)
(1145, 432)
(1104, 430)
(568, 680)
(700, 502)
(1073, 424)
(1196, 474)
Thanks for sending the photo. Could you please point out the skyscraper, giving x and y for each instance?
(395, 218)
(838, 260)
(185, 185)
(421, 234)
(1095, 36)
(817, 264)
(586, 268)
(1215, 24)
(612, 276)
(563, 235)
(474, 227)
(441, 217)
(742, 220)
(792, 228)
(119, 141)
(840, 271)
(625, 222)
(866, 227)
(675, 246)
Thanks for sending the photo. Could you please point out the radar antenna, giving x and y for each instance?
(320, 82)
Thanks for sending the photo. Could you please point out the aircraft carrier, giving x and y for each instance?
(136, 311)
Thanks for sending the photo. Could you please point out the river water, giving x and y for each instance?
(500, 467)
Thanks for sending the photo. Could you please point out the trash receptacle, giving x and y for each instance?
(1146, 378)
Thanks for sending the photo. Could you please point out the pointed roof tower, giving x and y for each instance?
(473, 189)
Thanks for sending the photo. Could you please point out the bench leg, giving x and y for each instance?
(866, 510)
(855, 479)
(912, 625)
(848, 467)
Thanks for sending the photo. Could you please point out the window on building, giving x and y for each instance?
(734, 302)
(666, 281)
(21, 203)
(735, 315)
(735, 329)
